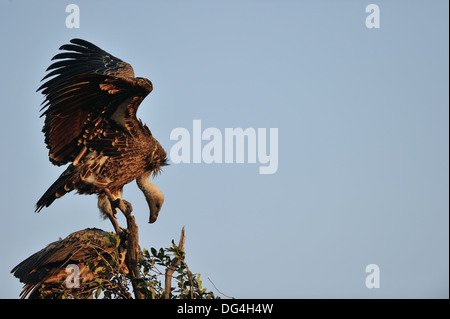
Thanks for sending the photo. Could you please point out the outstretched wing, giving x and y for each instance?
(83, 58)
(92, 90)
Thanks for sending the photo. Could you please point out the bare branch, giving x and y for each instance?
(132, 255)
(219, 290)
(171, 269)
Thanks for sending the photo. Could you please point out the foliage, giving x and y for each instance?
(107, 277)
(189, 285)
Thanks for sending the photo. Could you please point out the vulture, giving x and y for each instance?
(90, 104)
(47, 271)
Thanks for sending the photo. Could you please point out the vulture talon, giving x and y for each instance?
(117, 204)
(128, 206)
(124, 206)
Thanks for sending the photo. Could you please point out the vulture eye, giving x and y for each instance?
(158, 206)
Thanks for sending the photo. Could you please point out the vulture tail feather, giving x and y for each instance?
(58, 189)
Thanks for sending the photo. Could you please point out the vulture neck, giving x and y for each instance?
(153, 195)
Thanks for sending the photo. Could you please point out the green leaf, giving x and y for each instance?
(117, 237)
(97, 293)
(161, 254)
(98, 269)
(146, 253)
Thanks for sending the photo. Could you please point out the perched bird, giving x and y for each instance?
(80, 259)
(90, 110)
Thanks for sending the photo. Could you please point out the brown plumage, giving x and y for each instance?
(45, 271)
(90, 121)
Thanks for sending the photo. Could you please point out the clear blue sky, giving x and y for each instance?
(363, 138)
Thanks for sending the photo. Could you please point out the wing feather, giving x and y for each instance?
(83, 58)
(86, 86)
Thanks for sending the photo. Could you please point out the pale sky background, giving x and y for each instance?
(363, 121)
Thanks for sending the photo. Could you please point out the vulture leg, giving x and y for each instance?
(107, 211)
(118, 202)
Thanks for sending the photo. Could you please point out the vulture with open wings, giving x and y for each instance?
(90, 110)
